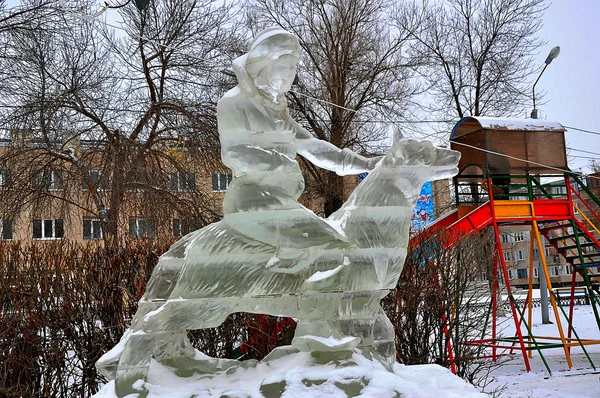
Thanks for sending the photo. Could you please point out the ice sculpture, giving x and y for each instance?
(271, 255)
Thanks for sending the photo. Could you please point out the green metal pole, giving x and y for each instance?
(535, 344)
(574, 331)
(586, 278)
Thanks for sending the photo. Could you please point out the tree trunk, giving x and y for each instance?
(334, 197)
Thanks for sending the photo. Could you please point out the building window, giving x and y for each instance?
(141, 227)
(92, 229)
(221, 181)
(185, 226)
(568, 269)
(511, 274)
(6, 229)
(506, 256)
(553, 271)
(4, 178)
(98, 179)
(48, 229)
(505, 238)
(138, 180)
(520, 236)
(519, 255)
(522, 273)
(559, 190)
(183, 182)
(484, 276)
(535, 272)
(49, 180)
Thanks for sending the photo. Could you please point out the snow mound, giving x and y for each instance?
(298, 375)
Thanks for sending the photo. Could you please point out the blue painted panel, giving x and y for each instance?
(424, 211)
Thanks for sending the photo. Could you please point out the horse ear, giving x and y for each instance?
(397, 136)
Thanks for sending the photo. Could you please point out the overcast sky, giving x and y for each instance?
(572, 81)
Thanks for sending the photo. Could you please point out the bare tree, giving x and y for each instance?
(352, 62)
(441, 303)
(478, 55)
(26, 16)
(125, 117)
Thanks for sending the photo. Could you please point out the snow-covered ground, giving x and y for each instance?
(582, 381)
(296, 376)
(300, 374)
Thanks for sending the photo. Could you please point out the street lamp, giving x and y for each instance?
(553, 54)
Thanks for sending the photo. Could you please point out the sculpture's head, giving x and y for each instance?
(270, 64)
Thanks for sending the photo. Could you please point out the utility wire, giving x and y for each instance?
(582, 130)
(523, 160)
(93, 17)
(105, 7)
(581, 150)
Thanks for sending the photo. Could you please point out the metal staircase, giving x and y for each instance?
(553, 210)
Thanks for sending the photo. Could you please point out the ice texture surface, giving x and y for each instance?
(271, 255)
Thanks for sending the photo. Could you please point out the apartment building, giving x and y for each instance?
(44, 198)
(517, 252)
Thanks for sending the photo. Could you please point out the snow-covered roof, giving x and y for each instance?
(493, 123)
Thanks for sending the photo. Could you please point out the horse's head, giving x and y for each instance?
(379, 211)
(435, 162)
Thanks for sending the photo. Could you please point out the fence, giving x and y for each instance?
(562, 299)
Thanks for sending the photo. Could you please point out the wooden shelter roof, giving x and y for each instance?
(471, 124)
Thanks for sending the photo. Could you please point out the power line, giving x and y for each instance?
(582, 130)
(581, 150)
(93, 18)
(582, 157)
(522, 160)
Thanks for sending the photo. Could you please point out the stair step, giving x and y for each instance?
(559, 238)
(588, 265)
(587, 255)
(570, 247)
(545, 229)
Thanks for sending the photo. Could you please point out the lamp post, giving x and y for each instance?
(541, 271)
(553, 54)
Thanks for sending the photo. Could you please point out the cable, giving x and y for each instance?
(582, 130)
(582, 157)
(581, 150)
(94, 16)
(523, 160)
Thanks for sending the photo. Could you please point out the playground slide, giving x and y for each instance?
(474, 221)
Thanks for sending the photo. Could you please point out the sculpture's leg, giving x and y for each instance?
(159, 331)
(383, 346)
(140, 348)
(346, 315)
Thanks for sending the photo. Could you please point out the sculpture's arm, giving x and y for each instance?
(328, 156)
(238, 157)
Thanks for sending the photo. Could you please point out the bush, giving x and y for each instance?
(64, 304)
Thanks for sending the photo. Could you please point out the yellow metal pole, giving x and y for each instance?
(552, 301)
(586, 219)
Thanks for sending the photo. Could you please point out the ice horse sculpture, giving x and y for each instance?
(271, 255)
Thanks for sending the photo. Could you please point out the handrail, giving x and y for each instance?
(585, 188)
(541, 187)
(585, 203)
(587, 219)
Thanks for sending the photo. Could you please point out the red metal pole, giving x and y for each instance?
(494, 305)
(507, 281)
